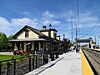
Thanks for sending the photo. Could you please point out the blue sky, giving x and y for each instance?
(14, 14)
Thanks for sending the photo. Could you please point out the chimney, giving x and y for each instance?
(44, 27)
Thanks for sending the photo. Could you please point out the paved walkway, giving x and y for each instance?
(69, 65)
(6, 53)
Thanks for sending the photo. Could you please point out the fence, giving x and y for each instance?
(21, 66)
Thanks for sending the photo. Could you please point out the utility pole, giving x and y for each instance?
(63, 36)
(71, 30)
(77, 21)
(76, 33)
(95, 40)
(98, 40)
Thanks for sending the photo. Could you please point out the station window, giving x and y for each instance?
(55, 35)
(26, 33)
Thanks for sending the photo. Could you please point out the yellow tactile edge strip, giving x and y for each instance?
(86, 69)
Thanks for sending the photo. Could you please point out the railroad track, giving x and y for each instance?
(93, 58)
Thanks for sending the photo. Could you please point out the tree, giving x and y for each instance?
(10, 38)
(4, 44)
(66, 44)
(3, 41)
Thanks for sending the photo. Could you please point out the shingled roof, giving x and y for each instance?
(41, 35)
(31, 28)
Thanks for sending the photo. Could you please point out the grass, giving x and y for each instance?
(6, 58)
(9, 57)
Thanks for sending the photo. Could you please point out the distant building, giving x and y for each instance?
(91, 43)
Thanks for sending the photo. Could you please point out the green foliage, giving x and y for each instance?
(10, 38)
(3, 41)
(4, 45)
(66, 44)
(9, 57)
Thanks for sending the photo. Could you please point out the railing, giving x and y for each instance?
(23, 65)
(20, 66)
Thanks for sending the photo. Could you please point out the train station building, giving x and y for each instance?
(31, 39)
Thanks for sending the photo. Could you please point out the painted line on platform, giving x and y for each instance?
(86, 69)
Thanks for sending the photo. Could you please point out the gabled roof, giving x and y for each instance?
(41, 35)
(33, 29)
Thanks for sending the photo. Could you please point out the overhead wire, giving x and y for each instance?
(92, 29)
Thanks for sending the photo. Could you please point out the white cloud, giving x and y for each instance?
(85, 19)
(48, 15)
(61, 21)
(49, 18)
(24, 21)
(3, 21)
(13, 25)
(10, 27)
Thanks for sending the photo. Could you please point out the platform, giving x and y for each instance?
(70, 64)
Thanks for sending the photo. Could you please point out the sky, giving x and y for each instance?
(62, 14)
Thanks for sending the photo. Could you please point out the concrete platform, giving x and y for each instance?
(70, 64)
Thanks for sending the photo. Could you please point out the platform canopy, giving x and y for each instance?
(83, 40)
